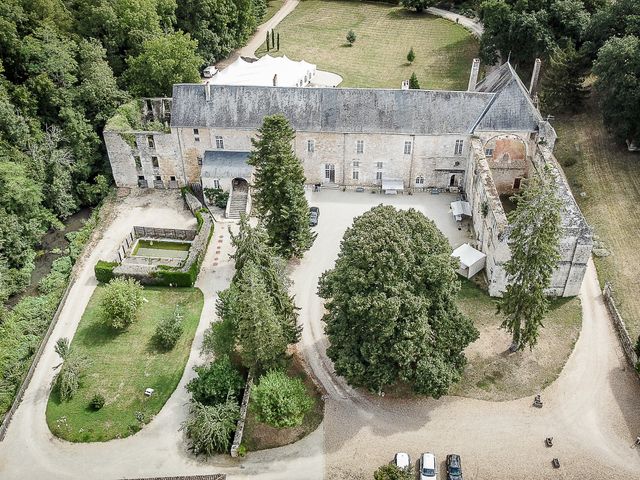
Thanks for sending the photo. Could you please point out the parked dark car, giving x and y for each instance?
(454, 467)
(314, 215)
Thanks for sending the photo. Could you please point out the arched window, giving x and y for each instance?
(420, 180)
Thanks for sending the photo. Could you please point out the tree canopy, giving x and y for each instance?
(163, 61)
(534, 243)
(279, 188)
(618, 82)
(391, 305)
(259, 318)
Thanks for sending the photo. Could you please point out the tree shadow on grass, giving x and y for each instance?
(98, 333)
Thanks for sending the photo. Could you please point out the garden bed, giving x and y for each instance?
(259, 436)
(122, 365)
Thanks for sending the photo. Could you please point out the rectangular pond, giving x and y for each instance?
(161, 248)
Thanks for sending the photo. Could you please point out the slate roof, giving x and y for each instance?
(226, 164)
(500, 102)
(511, 108)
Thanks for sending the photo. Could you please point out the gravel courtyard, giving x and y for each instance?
(592, 410)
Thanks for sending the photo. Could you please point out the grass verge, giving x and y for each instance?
(315, 32)
(122, 365)
(272, 8)
(605, 179)
(258, 436)
(494, 374)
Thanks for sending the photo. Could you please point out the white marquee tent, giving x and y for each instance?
(267, 71)
(471, 260)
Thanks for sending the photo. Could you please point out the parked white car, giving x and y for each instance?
(402, 460)
(428, 469)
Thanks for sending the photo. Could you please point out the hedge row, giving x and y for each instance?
(23, 328)
(104, 270)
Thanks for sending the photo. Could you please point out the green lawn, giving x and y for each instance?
(122, 365)
(608, 175)
(493, 374)
(315, 32)
(272, 7)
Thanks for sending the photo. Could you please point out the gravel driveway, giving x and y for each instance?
(592, 410)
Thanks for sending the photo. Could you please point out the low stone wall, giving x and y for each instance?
(237, 438)
(168, 233)
(145, 270)
(620, 327)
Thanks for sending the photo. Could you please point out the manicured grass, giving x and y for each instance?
(315, 32)
(161, 249)
(122, 365)
(494, 374)
(609, 175)
(272, 7)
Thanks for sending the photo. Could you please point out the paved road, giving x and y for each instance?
(592, 410)
(30, 451)
(474, 26)
(249, 50)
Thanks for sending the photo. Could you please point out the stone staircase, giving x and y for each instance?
(237, 203)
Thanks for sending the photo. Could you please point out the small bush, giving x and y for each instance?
(351, 37)
(391, 472)
(215, 382)
(217, 196)
(120, 303)
(104, 271)
(281, 401)
(97, 402)
(169, 330)
(210, 427)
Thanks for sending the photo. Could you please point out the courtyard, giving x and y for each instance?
(591, 409)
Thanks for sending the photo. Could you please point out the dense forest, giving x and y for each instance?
(65, 65)
(576, 38)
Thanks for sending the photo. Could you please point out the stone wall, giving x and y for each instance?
(492, 228)
(620, 327)
(237, 437)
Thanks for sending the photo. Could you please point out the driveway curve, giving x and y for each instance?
(30, 451)
(592, 410)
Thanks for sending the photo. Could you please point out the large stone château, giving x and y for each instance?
(484, 142)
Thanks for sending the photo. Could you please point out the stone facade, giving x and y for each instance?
(484, 142)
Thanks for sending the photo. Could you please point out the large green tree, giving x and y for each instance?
(534, 241)
(391, 305)
(418, 5)
(163, 61)
(618, 82)
(279, 188)
(563, 81)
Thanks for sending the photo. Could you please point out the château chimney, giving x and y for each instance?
(535, 76)
(473, 76)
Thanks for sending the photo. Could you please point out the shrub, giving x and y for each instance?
(411, 56)
(169, 330)
(210, 427)
(217, 196)
(97, 402)
(391, 472)
(56, 279)
(104, 271)
(351, 37)
(67, 380)
(120, 303)
(281, 401)
(215, 382)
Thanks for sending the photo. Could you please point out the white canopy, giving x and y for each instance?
(471, 260)
(392, 185)
(460, 208)
(267, 71)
